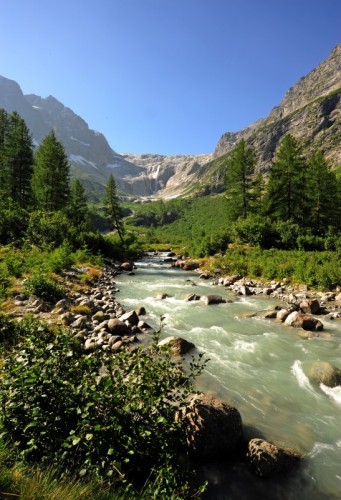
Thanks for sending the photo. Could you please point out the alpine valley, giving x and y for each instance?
(310, 110)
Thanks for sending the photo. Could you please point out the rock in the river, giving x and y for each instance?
(214, 428)
(298, 320)
(131, 317)
(127, 266)
(282, 314)
(142, 325)
(212, 299)
(178, 345)
(140, 311)
(325, 373)
(162, 296)
(191, 297)
(267, 459)
(309, 306)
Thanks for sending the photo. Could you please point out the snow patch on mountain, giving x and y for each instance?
(82, 161)
(77, 140)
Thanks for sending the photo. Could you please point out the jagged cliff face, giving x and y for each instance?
(310, 110)
(171, 174)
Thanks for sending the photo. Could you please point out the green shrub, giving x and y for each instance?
(13, 223)
(47, 230)
(255, 230)
(8, 331)
(60, 258)
(108, 416)
(43, 287)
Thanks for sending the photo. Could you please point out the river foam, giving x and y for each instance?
(333, 392)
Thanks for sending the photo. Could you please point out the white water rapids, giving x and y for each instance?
(261, 367)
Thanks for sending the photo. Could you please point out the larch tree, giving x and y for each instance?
(3, 172)
(78, 211)
(113, 209)
(51, 175)
(17, 160)
(323, 195)
(240, 167)
(287, 190)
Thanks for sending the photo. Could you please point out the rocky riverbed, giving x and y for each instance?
(93, 314)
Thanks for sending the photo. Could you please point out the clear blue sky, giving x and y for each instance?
(165, 76)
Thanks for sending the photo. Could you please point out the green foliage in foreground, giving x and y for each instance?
(99, 415)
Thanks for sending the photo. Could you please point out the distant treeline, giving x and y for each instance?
(296, 206)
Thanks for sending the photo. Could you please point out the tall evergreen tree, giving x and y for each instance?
(287, 193)
(113, 209)
(323, 195)
(51, 175)
(17, 160)
(3, 172)
(257, 194)
(240, 166)
(78, 211)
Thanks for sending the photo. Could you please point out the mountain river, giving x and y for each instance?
(261, 367)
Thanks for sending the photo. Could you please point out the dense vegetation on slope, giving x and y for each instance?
(297, 208)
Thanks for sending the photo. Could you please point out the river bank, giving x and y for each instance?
(261, 366)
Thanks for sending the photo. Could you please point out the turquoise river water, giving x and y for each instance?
(261, 367)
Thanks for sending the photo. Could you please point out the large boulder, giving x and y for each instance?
(282, 314)
(191, 297)
(309, 306)
(299, 320)
(117, 327)
(127, 266)
(131, 317)
(267, 459)
(190, 266)
(214, 428)
(178, 345)
(212, 299)
(230, 280)
(325, 373)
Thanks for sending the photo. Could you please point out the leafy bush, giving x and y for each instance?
(254, 230)
(288, 233)
(47, 229)
(98, 414)
(43, 287)
(13, 223)
(60, 258)
(214, 244)
(8, 331)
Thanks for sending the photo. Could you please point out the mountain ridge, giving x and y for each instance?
(310, 110)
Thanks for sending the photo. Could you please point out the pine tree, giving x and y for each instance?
(240, 166)
(78, 211)
(287, 193)
(3, 172)
(323, 195)
(257, 194)
(51, 175)
(17, 160)
(113, 209)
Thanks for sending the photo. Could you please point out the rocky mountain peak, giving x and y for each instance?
(310, 110)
